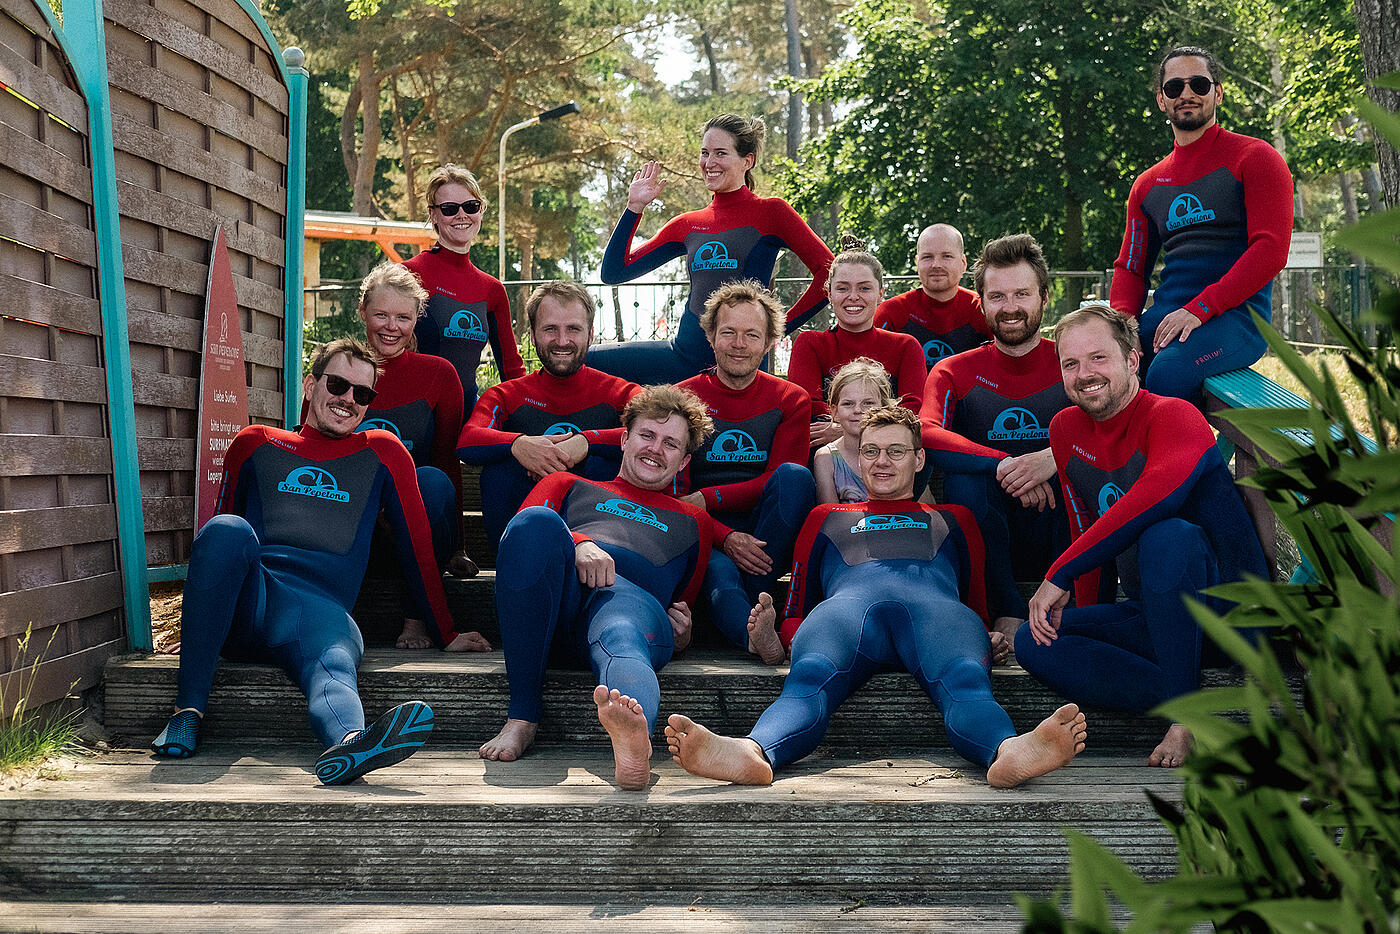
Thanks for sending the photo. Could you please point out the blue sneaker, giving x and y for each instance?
(392, 738)
(180, 736)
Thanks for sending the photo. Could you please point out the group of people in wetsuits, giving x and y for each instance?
(623, 514)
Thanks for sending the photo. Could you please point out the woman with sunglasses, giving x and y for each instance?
(737, 237)
(467, 309)
(419, 399)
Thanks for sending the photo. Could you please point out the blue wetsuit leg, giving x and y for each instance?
(1227, 342)
(440, 501)
(323, 658)
(983, 497)
(537, 594)
(788, 497)
(504, 486)
(1138, 653)
(629, 641)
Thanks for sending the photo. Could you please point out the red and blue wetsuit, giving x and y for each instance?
(1221, 210)
(273, 577)
(659, 546)
(1153, 507)
(817, 355)
(885, 586)
(467, 309)
(752, 472)
(980, 407)
(588, 402)
(737, 237)
(942, 328)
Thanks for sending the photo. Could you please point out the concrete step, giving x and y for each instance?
(723, 689)
(248, 823)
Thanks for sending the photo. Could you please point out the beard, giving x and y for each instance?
(562, 369)
(1192, 121)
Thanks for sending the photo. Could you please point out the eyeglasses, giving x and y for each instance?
(450, 208)
(339, 386)
(1200, 86)
(895, 452)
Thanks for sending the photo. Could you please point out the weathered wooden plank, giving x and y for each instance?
(45, 231)
(152, 84)
(168, 513)
(165, 453)
(50, 527)
(160, 209)
(53, 455)
(46, 165)
(162, 330)
(183, 275)
(185, 157)
(28, 378)
(59, 603)
(144, 20)
(162, 389)
(29, 17)
(57, 98)
(265, 404)
(35, 301)
(56, 678)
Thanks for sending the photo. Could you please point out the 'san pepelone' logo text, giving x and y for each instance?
(630, 510)
(386, 425)
(1187, 209)
(887, 524)
(713, 255)
(1109, 494)
(313, 481)
(735, 446)
(1016, 424)
(465, 325)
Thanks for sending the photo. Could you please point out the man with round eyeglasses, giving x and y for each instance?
(1219, 209)
(890, 584)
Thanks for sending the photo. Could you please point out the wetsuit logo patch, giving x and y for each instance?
(465, 325)
(630, 510)
(385, 425)
(1186, 209)
(714, 255)
(1016, 424)
(1109, 494)
(313, 481)
(563, 428)
(887, 524)
(936, 350)
(736, 446)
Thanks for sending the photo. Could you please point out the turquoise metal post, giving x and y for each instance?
(297, 77)
(82, 21)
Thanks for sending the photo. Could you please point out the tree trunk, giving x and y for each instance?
(620, 330)
(794, 62)
(708, 44)
(370, 135)
(349, 151)
(410, 179)
(1378, 22)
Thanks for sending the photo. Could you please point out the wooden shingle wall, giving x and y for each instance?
(58, 523)
(199, 122)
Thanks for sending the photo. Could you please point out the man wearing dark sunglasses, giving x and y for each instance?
(273, 577)
(1220, 210)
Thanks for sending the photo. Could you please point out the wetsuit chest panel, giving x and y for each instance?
(1016, 426)
(940, 344)
(412, 422)
(658, 535)
(532, 420)
(876, 536)
(457, 331)
(314, 505)
(715, 257)
(1099, 489)
(736, 451)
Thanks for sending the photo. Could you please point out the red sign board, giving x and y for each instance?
(223, 382)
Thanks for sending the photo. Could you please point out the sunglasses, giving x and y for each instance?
(895, 452)
(1200, 86)
(339, 385)
(450, 208)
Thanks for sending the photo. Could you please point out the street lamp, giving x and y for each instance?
(561, 111)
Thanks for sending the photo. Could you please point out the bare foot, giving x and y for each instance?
(1057, 739)
(763, 634)
(709, 755)
(1001, 647)
(414, 635)
(622, 717)
(1007, 626)
(468, 642)
(461, 565)
(1173, 748)
(509, 744)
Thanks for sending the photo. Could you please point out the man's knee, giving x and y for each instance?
(1173, 373)
(436, 489)
(976, 492)
(221, 547)
(1176, 549)
(794, 486)
(965, 678)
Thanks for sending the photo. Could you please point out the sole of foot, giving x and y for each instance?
(763, 633)
(705, 753)
(1055, 740)
(626, 724)
(395, 736)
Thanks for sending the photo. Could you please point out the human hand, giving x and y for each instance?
(747, 552)
(573, 446)
(823, 432)
(540, 455)
(696, 499)
(1019, 474)
(679, 612)
(1039, 498)
(1046, 605)
(595, 566)
(646, 186)
(1178, 325)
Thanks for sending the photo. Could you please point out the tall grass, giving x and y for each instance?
(29, 737)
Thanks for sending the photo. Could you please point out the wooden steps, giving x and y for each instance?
(249, 823)
(721, 688)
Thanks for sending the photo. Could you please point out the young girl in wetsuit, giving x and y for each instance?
(738, 236)
(857, 387)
